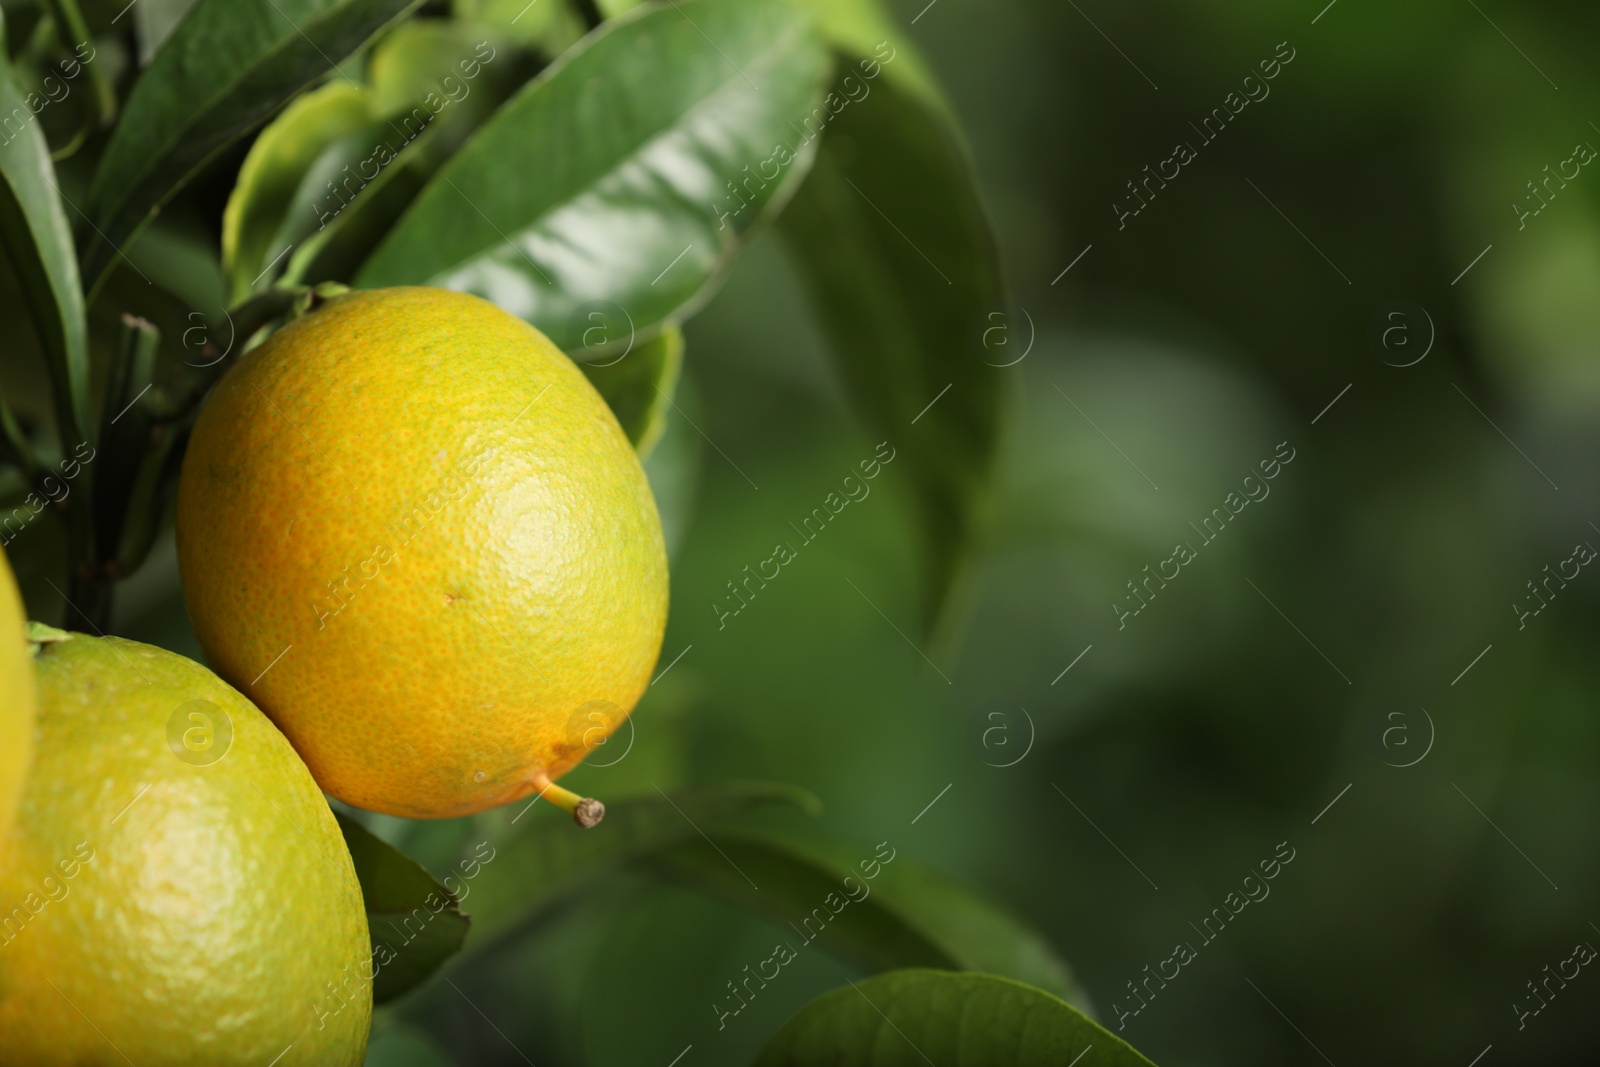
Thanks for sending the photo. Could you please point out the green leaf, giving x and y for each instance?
(421, 57)
(609, 180)
(228, 66)
(550, 25)
(432, 85)
(863, 29)
(333, 252)
(272, 172)
(38, 241)
(353, 166)
(548, 859)
(415, 923)
(183, 261)
(897, 255)
(639, 386)
(902, 916)
(404, 1047)
(445, 77)
(125, 438)
(71, 30)
(154, 21)
(915, 1017)
(329, 176)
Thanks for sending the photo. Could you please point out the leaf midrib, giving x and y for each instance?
(116, 207)
(766, 60)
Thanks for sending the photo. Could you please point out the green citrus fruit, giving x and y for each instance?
(412, 532)
(175, 890)
(16, 697)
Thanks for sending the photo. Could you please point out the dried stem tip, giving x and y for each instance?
(586, 811)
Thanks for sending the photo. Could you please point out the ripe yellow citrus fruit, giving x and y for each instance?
(411, 531)
(16, 697)
(175, 890)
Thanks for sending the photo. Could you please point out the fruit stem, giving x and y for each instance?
(316, 296)
(586, 811)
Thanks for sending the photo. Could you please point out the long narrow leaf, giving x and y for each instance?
(625, 176)
(272, 172)
(955, 1020)
(882, 915)
(38, 241)
(228, 66)
(898, 256)
(415, 923)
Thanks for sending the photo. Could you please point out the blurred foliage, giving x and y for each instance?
(966, 1020)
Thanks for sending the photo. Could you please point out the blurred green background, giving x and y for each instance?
(1288, 665)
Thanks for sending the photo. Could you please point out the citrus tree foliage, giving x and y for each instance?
(179, 177)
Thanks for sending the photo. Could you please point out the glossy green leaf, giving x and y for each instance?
(639, 384)
(549, 858)
(38, 242)
(347, 168)
(863, 29)
(898, 257)
(915, 1017)
(431, 86)
(444, 76)
(880, 915)
(228, 66)
(609, 181)
(326, 178)
(154, 21)
(272, 172)
(415, 923)
(333, 252)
